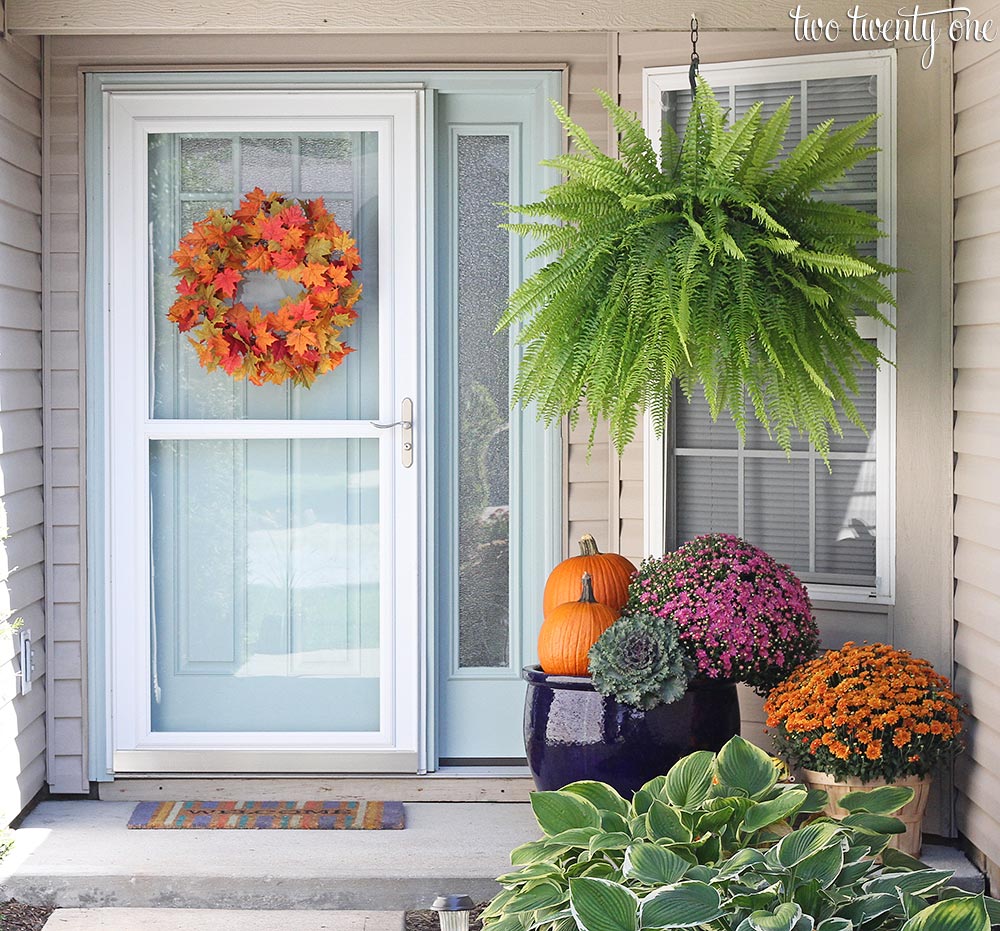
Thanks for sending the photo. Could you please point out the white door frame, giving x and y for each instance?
(130, 116)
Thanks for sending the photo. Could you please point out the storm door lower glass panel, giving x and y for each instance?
(265, 565)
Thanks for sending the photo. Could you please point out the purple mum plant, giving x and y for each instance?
(740, 615)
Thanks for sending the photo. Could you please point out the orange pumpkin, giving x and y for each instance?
(609, 571)
(570, 631)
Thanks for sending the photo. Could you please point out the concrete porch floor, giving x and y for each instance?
(80, 854)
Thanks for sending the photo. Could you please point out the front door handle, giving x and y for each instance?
(406, 434)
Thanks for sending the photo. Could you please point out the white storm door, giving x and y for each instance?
(264, 585)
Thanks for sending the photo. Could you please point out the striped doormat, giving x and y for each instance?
(307, 816)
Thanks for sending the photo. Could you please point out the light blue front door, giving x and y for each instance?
(497, 487)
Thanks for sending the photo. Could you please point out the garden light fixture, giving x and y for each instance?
(453, 911)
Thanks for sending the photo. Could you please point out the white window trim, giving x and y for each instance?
(655, 454)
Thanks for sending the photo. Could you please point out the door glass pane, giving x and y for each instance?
(483, 402)
(191, 174)
(265, 585)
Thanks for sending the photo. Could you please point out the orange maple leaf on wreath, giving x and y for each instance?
(267, 233)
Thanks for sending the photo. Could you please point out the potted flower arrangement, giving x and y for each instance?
(622, 700)
(866, 716)
(740, 615)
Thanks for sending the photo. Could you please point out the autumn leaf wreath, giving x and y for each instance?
(297, 240)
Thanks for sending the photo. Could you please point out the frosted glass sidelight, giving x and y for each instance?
(190, 174)
(483, 271)
(265, 585)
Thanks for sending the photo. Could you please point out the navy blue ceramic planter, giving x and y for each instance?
(572, 732)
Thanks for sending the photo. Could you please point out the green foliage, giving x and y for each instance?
(710, 264)
(718, 844)
(639, 661)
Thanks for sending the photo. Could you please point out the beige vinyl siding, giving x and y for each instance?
(590, 62)
(401, 16)
(22, 717)
(977, 433)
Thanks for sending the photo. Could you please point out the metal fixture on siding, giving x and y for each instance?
(27, 662)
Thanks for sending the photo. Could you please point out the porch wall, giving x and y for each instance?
(22, 717)
(977, 433)
(602, 494)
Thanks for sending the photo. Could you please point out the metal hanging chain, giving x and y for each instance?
(695, 60)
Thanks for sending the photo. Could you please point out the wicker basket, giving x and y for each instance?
(912, 814)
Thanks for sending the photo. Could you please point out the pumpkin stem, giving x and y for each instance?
(587, 593)
(588, 546)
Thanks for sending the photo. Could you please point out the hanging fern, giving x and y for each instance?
(710, 264)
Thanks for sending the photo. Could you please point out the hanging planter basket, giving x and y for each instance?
(707, 264)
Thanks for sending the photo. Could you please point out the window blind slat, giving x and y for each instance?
(776, 509)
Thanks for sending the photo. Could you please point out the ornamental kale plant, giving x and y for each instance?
(639, 661)
(739, 614)
(719, 844)
(710, 262)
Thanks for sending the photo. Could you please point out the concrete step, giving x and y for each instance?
(79, 854)
(219, 919)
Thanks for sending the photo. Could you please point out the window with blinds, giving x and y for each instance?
(832, 526)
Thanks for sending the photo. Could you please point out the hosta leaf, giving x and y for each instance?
(575, 837)
(915, 882)
(777, 809)
(535, 871)
(783, 918)
(512, 922)
(603, 797)
(616, 840)
(795, 847)
(881, 801)
(992, 905)
(664, 823)
(613, 823)
(835, 924)
(952, 915)
(688, 781)
(539, 896)
(742, 765)
(686, 905)
(824, 866)
(866, 907)
(653, 865)
(559, 811)
(877, 824)
(651, 790)
(898, 860)
(599, 905)
(536, 851)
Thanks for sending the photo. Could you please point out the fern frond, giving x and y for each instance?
(709, 266)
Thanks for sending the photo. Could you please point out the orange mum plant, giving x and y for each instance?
(297, 240)
(870, 711)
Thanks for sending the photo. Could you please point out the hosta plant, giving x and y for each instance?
(709, 262)
(719, 844)
(639, 661)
